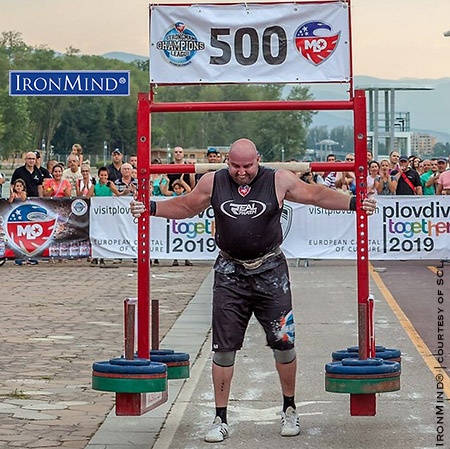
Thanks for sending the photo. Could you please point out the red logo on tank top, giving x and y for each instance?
(244, 190)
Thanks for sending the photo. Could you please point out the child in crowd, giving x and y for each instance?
(19, 194)
(18, 191)
(179, 186)
(102, 187)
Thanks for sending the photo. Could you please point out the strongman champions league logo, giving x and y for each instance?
(180, 45)
(315, 41)
(30, 228)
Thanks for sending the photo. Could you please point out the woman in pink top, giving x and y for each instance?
(57, 187)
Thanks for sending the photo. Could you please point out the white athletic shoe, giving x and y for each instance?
(218, 431)
(290, 423)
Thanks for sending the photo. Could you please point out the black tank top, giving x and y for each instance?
(247, 217)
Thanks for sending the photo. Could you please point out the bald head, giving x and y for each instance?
(30, 160)
(243, 147)
(243, 161)
(178, 155)
(126, 166)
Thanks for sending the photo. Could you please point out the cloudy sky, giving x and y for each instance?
(392, 39)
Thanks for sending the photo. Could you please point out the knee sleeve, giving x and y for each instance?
(224, 359)
(284, 357)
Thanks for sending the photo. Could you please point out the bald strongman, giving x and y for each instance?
(251, 272)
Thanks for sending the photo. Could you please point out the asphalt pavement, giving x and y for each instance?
(326, 313)
(53, 325)
(56, 319)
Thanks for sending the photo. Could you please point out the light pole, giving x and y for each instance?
(105, 151)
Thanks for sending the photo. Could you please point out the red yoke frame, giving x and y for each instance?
(359, 404)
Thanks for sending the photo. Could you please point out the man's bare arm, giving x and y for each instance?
(183, 206)
(290, 188)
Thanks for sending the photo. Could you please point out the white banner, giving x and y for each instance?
(403, 227)
(250, 43)
(113, 233)
(413, 227)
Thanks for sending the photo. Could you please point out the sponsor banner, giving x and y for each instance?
(113, 229)
(49, 227)
(415, 227)
(114, 233)
(402, 227)
(318, 233)
(69, 83)
(412, 227)
(250, 43)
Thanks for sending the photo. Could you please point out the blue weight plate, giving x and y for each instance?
(175, 357)
(356, 362)
(134, 362)
(161, 351)
(385, 368)
(151, 368)
(356, 348)
(389, 353)
(386, 354)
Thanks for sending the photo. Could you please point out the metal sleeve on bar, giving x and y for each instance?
(291, 166)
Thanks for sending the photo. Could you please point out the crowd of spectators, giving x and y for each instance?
(56, 180)
(119, 178)
(398, 175)
(178, 184)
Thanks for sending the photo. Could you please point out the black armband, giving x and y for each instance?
(152, 208)
(352, 206)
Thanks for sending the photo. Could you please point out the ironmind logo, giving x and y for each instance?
(69, 83)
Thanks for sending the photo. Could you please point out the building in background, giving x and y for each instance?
(388, 129)
(422, 144)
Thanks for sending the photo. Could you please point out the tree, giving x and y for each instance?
(142, 64)
(61, 121)
(315, 135)
(16, 137)
(441, 149)
(12, 44)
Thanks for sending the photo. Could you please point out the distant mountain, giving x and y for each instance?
(429, 109)
(124, 57)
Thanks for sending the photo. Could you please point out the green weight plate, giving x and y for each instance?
(178, 372)
(362, 386)
(119, 385)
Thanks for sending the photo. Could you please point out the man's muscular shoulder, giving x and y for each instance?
(285, 181)
(204, 185)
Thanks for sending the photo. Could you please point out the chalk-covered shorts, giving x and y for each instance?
(238, 293)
